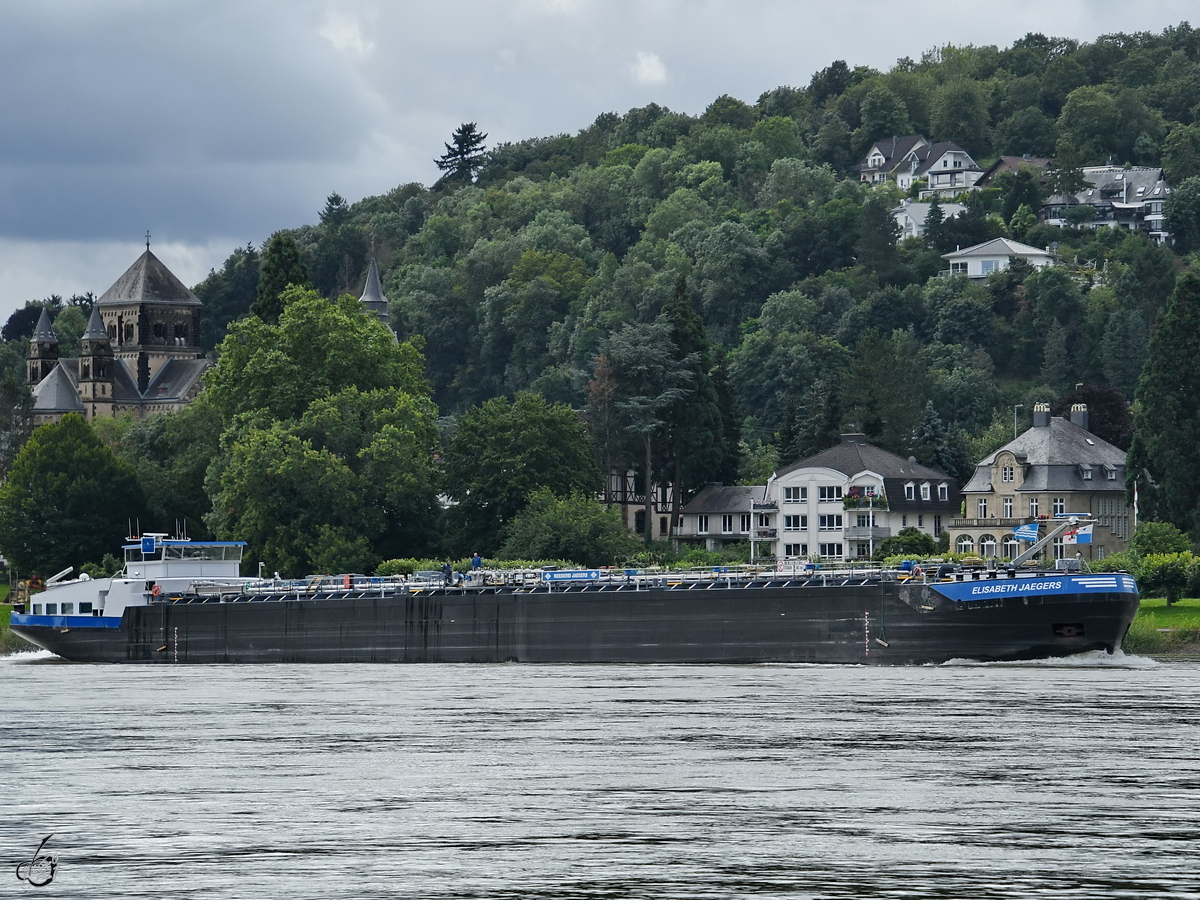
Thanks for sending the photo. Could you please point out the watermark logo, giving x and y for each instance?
(40, 870)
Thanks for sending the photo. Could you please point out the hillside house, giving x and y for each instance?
(981, 260)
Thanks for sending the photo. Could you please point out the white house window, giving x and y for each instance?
(965, 544)
(1033, 507)
(793, 550)
(701, 524)
(795, 495)
(1008, 507)
(925, 491)
(987, 545)
(795, 523)
(1111, 474)
(920, 521)
(764, 520)
(745, 529)
(988, 266)
(830, 493)
(727, 524)
(832, 551)
(943, 492)
(1060, 505)
(830, 523)
(937, 525)
(982, 507)
(910, 491)
(958, 268)
(1086, 472)
(1011, 548)
(1006, 474)
(865, 520)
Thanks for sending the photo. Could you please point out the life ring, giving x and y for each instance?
(918, 572)
(155, 591)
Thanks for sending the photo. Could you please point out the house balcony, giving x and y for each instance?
(765, 534)
(765, 505)
(865, 502)
(1000, 524)
(867, 533)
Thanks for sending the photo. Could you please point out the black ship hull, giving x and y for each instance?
(882, 623)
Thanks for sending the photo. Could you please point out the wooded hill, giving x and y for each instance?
(739, 247)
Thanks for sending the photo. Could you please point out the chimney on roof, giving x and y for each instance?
(1079, 415)
(1041, 415)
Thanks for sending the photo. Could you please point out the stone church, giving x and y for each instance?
(139, 355)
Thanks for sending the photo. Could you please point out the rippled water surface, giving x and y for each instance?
(1071, 780)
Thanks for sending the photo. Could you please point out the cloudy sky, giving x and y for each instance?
(211, 124)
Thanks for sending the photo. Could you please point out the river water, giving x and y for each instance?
(1077, 779)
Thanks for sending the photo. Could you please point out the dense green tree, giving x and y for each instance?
(282, 267)
(960, 114)
(465, 156)
(1091, 121)
(1109, 413)
(1182, 211)
(911, 541)
(1028, 130)
(1181, 154)
(941, 449)
(1020, 188)
(878, 233)
(883, 115)
(500, 453)
(317, 349)
(577, 527)
(228, 294)
(1125, 345)
(67, 500)
(1166, 420)
(886, 389)
(1158, 537)
(16, 412)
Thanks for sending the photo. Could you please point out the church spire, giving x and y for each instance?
(95, 327)
(43, 333)
(372, 297)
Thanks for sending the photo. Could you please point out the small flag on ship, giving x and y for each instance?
(1027, 532)
(1081, 534)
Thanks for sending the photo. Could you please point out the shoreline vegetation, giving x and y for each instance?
(1159, 630)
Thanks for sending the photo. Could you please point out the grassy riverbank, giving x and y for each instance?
(9, 642)
(1166, 630)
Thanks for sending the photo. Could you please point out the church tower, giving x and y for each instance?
(42, 356)
(150, 318)
(96, 375)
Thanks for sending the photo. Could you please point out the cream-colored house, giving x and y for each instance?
(1056, 468)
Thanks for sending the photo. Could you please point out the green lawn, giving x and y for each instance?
(1159, 628)
(9, 642)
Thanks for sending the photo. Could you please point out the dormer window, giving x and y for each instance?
(925, 491)
(943, 491)
(910, 491)
(1085, 472)
(1006, 474)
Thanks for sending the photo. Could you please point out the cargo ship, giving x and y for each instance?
(182, 602)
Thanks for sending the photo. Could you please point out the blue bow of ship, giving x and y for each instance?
(178, 601)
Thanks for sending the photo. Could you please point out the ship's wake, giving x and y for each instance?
(1092, 659)
(28, 656)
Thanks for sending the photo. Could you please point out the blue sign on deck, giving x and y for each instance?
(147, 545)
(572, 575)
(1106, 583)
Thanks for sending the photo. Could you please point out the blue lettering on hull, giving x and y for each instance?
(1036, 586)
(66, 621)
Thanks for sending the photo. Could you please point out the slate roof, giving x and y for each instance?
(996, 247)
(95, 327)
(58, 392)
(148, 281)
(175, 379)
(723, 498)
(42, 332)
(372, 297)
(1010, 164)
(1053, 457)
(855, 455)
(1106, 185)
(894, 150)
(931, 154)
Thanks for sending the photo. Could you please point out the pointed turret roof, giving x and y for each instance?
(149, 281)
(372, 297)
(95, 327)
(43, 333)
